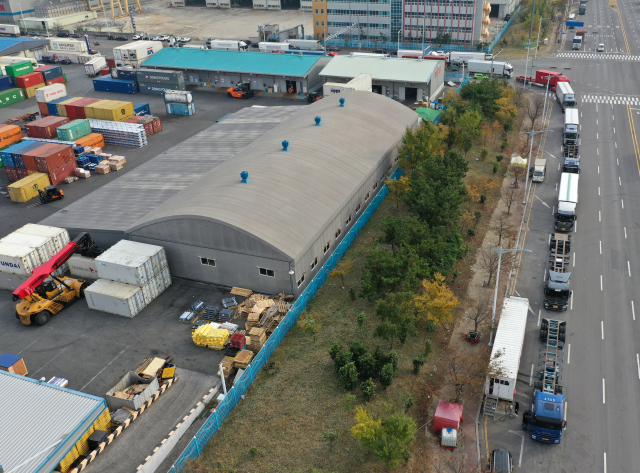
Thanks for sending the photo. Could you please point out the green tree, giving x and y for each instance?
(397, 319)
(366, 366)
(418, 362)
(397, 188)
(348, 375)
(361, 319)
(342, 269)
(386, 375)
(309, 326)
(368, 388)
(383, 272)
(483, 95)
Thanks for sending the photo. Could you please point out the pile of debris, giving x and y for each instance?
(264, 311)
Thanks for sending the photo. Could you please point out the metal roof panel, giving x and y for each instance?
(383, 69)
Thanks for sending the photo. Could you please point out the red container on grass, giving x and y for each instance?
(58, 175)
(46, 127)
(44, 110)
(29, 80)
(57, 80)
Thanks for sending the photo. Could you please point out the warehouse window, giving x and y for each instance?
(348, 220)
(366, 197)
(375, 186)
(314, 263)
(338, 232)
(267, 272)
(301, 280)
(207, 261)
(326, 247)
(358, 207)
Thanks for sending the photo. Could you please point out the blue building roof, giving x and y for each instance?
(233, 61)
(15, 45)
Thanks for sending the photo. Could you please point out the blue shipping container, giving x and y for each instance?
(174, 108)
(53, 110)
(126, 73)
(18, 161)
(51, 72)
(5, 83)
(158, 89)
(109, 84)
(6, 154)
(141, 109)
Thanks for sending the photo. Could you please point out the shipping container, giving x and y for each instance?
(114, 402)
(17, 155)
(27, 188)
(10, 134)
(109, 84)
(12, 173)
(83, 267)
(45, 127)
(57, 80)
(52, 106)
(51, 93)
(143, 120)
(181, 109)
(59, 236)
(6, 83)
(124, 267)
(18, 259)
(61, 106)
(43, 245)
(156, 286)
(19, 68)
(178, 96)
(30, 92)
(158, 76)
(91, 110)
(60, 174)
(68, 45)
(115, 110)
(74, 130)
(141, 109)
(50, 72)
(111, 62)
(136, 51)
(112, 297)
(10, 281)
(157, 89)
(92, 68)
(6, 154)
(44, 110)
(76, 109)
(11, 96)
(60, 55)
(125, 73)
(50, 157)
(27, 80)
(155, 253)
(94, 140)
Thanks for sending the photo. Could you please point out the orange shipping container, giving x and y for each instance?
(62, 111)
(90, 110)
(44, 110)
(9, 134)
(92, 139)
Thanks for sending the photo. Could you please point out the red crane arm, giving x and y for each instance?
(81, 242)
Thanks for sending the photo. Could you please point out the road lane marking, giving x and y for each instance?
(602, 328)
(617, 162)
(531, 375)
(637, 360)
(598, 153)
(596, 122)
(616, 143)
(599, 216)
(539, 314)
(633, 311)
(521, 449)
(574, 259)
(549, 239)
(598, 190)
(614, 129)
(572, 297)
(622, 202)
(556, 187)
(601, 282)
(625, 233)
(575, 227)
(619, 181)
(612, 117)
(543, 202)
(603, 392)
(596, 135)
(629, 267)
(569, 354)
(598, 169)
(600, 246)
(553, 210)
(605, 458)
(634, 138)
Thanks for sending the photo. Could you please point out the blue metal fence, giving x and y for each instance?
(504, 28)
(212, 424)
(464, 82)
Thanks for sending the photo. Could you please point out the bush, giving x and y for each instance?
(427, 349)
(335, 350)
(408, 403)
(431, 326)
(500, 157)
(471, 232)
(348, 376)
(386, 375)
(358, 349)
(418, 361)
(484, 153)
(368, 388)
(343, 358)
(379, 358)
(392, 359)
(366, 365)
(495, 168)
(352, 294)
(362, 318)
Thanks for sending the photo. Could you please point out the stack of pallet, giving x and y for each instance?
(243, 359)
(256, 339)
(209, 336)
(227, 366)
(120, 133)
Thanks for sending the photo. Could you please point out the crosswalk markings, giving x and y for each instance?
(610, 99)
(616, 57)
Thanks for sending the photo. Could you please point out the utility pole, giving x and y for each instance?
(533, 13)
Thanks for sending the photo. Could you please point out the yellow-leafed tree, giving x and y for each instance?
(436, 301)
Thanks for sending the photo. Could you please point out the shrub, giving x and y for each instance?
(358, 349)
(495, 168)
(335, 350)
(431, 326)
(368, 388)
(427, 349)
(343, 358)
(499, 157)
(418, 361)
(386, 375)
(352, 294)
(348, 376)
(362, 318)
(471, 232)
(366, 366)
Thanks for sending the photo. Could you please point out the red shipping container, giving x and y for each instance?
(50, 157)
(157, 125)
(79, 107)
(46, 127)
(44, 110)
(57, 80)
(11, 174)
(111, 62)
(58, 175)
(29, 80)
(21, 173)
(71, 104)
(105, 72)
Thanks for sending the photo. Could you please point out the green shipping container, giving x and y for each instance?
(7, 97)
(19, 68)
(74, 130)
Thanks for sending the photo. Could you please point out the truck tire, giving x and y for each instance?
(230, 95)
(558, 389)
(545, 324)
(41, 318)
(543, 333)
(537, 385)
(83, 287)
(562, 328)
(540, 374)
(561, 337)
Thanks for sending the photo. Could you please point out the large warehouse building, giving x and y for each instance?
(273, 232)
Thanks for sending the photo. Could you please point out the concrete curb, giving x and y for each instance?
(153, 461)
(94, 453)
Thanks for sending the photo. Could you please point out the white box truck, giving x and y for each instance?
(226, 45)
(509, 341)
(565, 96)
(571, 125)
(93, 67)
(500, 69)
(465, 57)
(69, 45)
(306, 44)
(539, 170)
(567, 202)
(266, 47)
(10, 30)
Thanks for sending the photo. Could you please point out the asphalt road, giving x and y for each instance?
(601, 376)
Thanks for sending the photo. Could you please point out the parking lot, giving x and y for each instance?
(94, 350)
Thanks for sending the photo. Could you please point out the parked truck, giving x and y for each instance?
(465, 57)
(10, 30)
(565, 96)
(306, 44)
(544, 77)
(227, 45)
(267, 47)
(94, 66)
(547, 409)
(571, 125)
(539, 170)
(557, 278)
(500, 69)
(582, 10)
(567, 202)
(571, 159)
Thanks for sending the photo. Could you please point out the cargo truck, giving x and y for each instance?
(567, 202)
(571, 124)
(547, 410)
(227, 45)
(571, 159)
(565, 96)
(557, 278)
(539, 170)
(93, 67)
(577, 43)
(500, 69)
(267, 47)
(306, 44)
(582, 9)
(543, 77)
(10, 30)
(465, 57)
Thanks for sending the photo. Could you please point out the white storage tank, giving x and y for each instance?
(43, 245)
(124, 267)
(18, 259)
(179, 96)
(156, 253)
(60, 236)
(115, 298)
(83, 267)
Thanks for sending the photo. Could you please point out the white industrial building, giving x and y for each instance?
(406, 79)
(274, 232)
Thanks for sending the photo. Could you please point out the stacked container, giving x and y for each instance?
(150, 123)
(11, 96)
(141, 109)
(6, 83)
(19, 68)
(48, 94)
(52, 105)
(29, 83)
(115, 298)
(61, 107)
(6, 154)
(92, 140)
(179, 103)
(43, 245)
(76, 109)
(45, 127)
(152, 81)
(157, 89)
(51, 74)
(59, 236)
(134, 54)
(125, 73)
(109, 84)
(74, 130)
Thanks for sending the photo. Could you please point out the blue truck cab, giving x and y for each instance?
(547, 420)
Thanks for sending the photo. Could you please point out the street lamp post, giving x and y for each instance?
(495, 293)
(538, 40)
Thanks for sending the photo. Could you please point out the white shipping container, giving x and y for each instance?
(5, 60)
(93, 67)
(60, 236)
(11, 30)
(128, 62)
(124, 267)
(156, 253)
(138, 50)
(83, 267)
(11, 281)
(69, 45)
(51, 92)
(18, 259)
(43, 245)
(59, 55)
(158, 284)
(84, 58)
(115, 298)
(268, 47)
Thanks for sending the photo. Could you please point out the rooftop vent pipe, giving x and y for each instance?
(244, 175)
(342, 102)
(285, 145)
(318, 120)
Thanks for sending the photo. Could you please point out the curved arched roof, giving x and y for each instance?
(293, 194)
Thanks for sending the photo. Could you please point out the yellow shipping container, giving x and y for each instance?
(60, 106)
(31, 91)
(90, 110)
(116, 111)
(27, 188)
